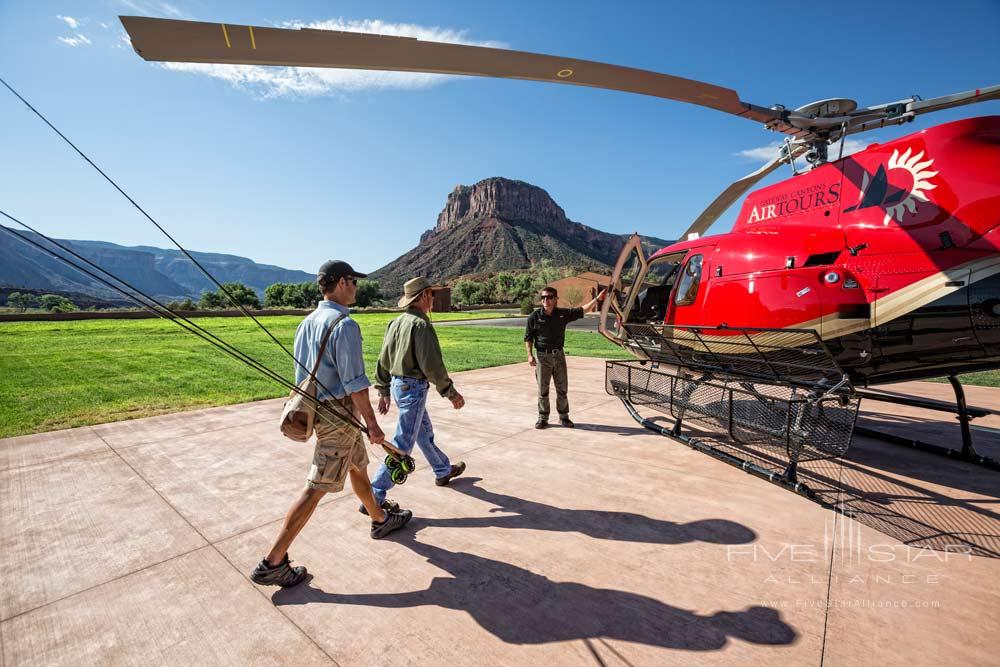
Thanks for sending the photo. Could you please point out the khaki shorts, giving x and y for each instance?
(338, 447)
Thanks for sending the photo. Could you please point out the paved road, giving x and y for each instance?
(588, 323)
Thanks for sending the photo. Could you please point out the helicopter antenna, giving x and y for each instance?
(788, 153)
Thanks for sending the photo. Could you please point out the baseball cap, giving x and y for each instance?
(335, 269)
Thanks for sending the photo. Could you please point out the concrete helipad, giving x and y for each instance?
(130, 543)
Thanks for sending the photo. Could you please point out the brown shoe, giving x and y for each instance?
(456, 470)
(565, 421)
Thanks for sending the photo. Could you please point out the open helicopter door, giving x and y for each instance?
(625, 282)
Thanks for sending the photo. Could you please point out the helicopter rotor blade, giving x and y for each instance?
(958, 99)
(173, 40)
(914, 106)
(738, 188)
(904, 111)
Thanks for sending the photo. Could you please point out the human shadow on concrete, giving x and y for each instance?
(519, 606)
(614, 429)
(599, 524)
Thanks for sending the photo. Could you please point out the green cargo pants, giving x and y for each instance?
(552, 365)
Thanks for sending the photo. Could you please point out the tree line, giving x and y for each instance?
(501, 288)
(278, 295)
(508, 287)
(53, 303)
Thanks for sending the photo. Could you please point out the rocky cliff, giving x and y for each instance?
(500, 224)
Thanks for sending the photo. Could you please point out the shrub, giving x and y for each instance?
(573, 295)
(21, 302)
(368, 293)
(292, 295)
(468, 292)
(274, 295)
(240, 293)
(504, 287)
(57, 304)
(185, 304)
(211, 301)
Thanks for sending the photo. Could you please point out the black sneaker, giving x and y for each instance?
(283, 574)
(542, 423)
(387, 505)
(393, 522)
(456, 470)
(565, 421)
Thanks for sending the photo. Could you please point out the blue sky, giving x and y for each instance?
(295, 170)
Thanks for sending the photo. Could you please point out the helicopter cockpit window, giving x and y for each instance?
(651, 303)
(687, 290)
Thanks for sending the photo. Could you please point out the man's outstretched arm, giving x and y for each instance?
(591, 305)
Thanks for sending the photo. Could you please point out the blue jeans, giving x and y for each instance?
(413, 426)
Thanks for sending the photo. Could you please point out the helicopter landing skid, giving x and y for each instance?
(787, 479)
(792, 424)
(960, 409)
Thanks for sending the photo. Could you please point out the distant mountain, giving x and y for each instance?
(500, 224)
(156, 271)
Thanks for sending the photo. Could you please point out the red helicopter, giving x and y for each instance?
(872, 268)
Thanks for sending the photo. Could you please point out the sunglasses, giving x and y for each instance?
(548, 297)
(353, 281)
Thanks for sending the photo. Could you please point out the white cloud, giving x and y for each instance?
(154, 8)
(316, 81)
(105, 25)
(761, 153)
(770, 151)
(77, 40)
(850, 146)
(69, 20)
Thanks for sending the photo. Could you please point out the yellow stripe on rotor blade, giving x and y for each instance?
(253, 42)
(225, 34)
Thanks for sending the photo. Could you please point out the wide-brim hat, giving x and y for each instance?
(412, 289)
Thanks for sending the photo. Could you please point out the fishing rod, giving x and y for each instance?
(167, 313)
(141, 210)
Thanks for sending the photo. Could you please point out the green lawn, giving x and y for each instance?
(61, 374)
(983, 379)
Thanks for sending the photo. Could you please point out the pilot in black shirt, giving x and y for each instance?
(546, 333)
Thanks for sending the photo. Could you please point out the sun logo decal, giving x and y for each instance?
(921, 183)
(897, 193)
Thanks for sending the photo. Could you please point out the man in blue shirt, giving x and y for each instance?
(342, 387)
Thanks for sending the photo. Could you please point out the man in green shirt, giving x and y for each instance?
(410, 361)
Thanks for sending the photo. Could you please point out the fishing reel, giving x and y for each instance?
(399, 468)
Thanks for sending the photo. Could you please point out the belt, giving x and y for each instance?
(552, 351)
